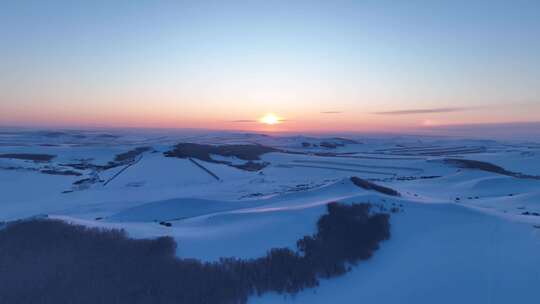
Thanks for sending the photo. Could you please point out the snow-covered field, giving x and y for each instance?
(464, 235)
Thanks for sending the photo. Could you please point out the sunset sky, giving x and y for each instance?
(316, 65)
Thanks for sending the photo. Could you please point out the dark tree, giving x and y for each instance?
(46, 261)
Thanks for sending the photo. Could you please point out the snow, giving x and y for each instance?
(523, 160)
(480, 248)
(170, 210)
(441, 254)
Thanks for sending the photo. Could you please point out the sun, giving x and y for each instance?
(270, 119)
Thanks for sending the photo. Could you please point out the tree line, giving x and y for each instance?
(48, 261)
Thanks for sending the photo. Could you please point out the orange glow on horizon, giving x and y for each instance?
(220, 116)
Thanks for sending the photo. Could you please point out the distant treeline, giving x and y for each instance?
(485, 166)
(29, 156)
(249, 153)
(46, 261)
(121, 159)
(365, 184)
(130, 155)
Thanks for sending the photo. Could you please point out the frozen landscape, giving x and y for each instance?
(270, 152)
(464, 213)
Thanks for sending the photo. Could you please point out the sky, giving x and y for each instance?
(316, 65)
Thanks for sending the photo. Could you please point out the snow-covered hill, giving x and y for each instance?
(461, 234)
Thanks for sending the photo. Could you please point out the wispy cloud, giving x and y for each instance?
(529, 131)
(331, 112)
(422, 111)
(244, 120)
(254, 120)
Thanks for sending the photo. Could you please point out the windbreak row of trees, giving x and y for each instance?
(365, 184)
(485, 166)
(45, 261)
(249, 153)
(204, 152)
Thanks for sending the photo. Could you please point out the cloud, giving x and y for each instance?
(244, 120)
(331, 112)
(422, 111)
(254, 120)
(529, 131)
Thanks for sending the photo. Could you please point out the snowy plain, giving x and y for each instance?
(463, 236)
